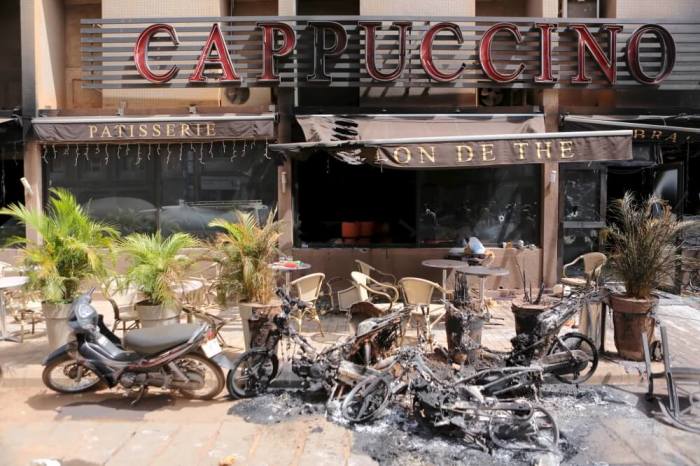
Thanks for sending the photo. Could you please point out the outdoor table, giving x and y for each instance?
(288, 269)
(188, 286)
(445, 265)
(7, 283)
(483, 273)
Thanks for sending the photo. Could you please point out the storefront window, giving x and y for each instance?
(414, 208)
(496, 205)
(177, 191)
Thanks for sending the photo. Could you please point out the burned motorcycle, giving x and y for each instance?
(572, 358)
(177, 357)
(456, 409)
(333, 369)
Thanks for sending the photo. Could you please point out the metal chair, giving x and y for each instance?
(308, 288)
(418, 293)
(679, 381)
(122, 300)
(365, 268)
(593, 263)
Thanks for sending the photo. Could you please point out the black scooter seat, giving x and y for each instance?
(154, 340)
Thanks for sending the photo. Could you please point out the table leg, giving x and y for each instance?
(481, 293)
(444, 283)
(3, 316)
(286, 280)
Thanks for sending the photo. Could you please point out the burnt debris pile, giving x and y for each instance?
(466, 395)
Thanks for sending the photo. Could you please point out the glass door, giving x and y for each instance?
(582, 207)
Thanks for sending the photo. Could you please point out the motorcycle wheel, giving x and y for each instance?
(537, 431)
(60, 376)
(251, 374)
(584, 371)
(366, 400)
(201, 369)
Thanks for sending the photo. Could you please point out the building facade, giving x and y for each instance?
(325, 134)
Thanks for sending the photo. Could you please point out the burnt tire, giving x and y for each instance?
(251, 374)
(197, 364)
(577, 341)
(367, 400)
(69, 368)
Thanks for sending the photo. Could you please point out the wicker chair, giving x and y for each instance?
(308, 288)
(122, 301)
(593, 263)
(418, 293)
(383, 278)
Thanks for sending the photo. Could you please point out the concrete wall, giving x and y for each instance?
(651, 9)
(75, 95)
(437, 98)
(405, 262)
(145, 98)
(49, 57)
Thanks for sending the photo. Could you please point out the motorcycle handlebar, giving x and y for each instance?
(288, 302)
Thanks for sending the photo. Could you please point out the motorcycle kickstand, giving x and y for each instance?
(139, 397)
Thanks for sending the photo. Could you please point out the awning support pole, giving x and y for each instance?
(550, 196)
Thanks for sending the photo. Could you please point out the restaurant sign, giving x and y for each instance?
(473, 151)
(385, 51)
(505, 150)
(170, 128)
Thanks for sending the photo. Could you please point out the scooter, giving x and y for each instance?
(184, 357)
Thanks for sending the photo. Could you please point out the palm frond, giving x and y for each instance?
(244, 249)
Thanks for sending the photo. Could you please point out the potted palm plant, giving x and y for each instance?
(72, 248)
(643, 244)
(244, 250)
(156, 267)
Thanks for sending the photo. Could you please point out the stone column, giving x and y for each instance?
(285, 109)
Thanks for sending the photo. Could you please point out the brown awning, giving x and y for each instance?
(322, 128)
(170, 128)
(425, 142)
(645, 128)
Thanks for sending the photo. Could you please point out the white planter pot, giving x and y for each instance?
(256, 312)
(57, 329)
(157, 315)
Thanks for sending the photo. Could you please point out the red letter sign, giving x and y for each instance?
(215, 40)
(322, 50)
(545, 76)
(485, 53)
(141, 53)
(370, 28)
(289, 40)
(426, 52)
(586, 41)
(668, 50)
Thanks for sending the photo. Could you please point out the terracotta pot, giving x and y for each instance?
(57, 329)
(157, 315)
(526, 314)
(366, 229)
(256, 320)
(350, 229)
(631, 317)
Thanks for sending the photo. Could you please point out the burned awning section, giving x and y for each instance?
(447, 142)
(159, 128)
